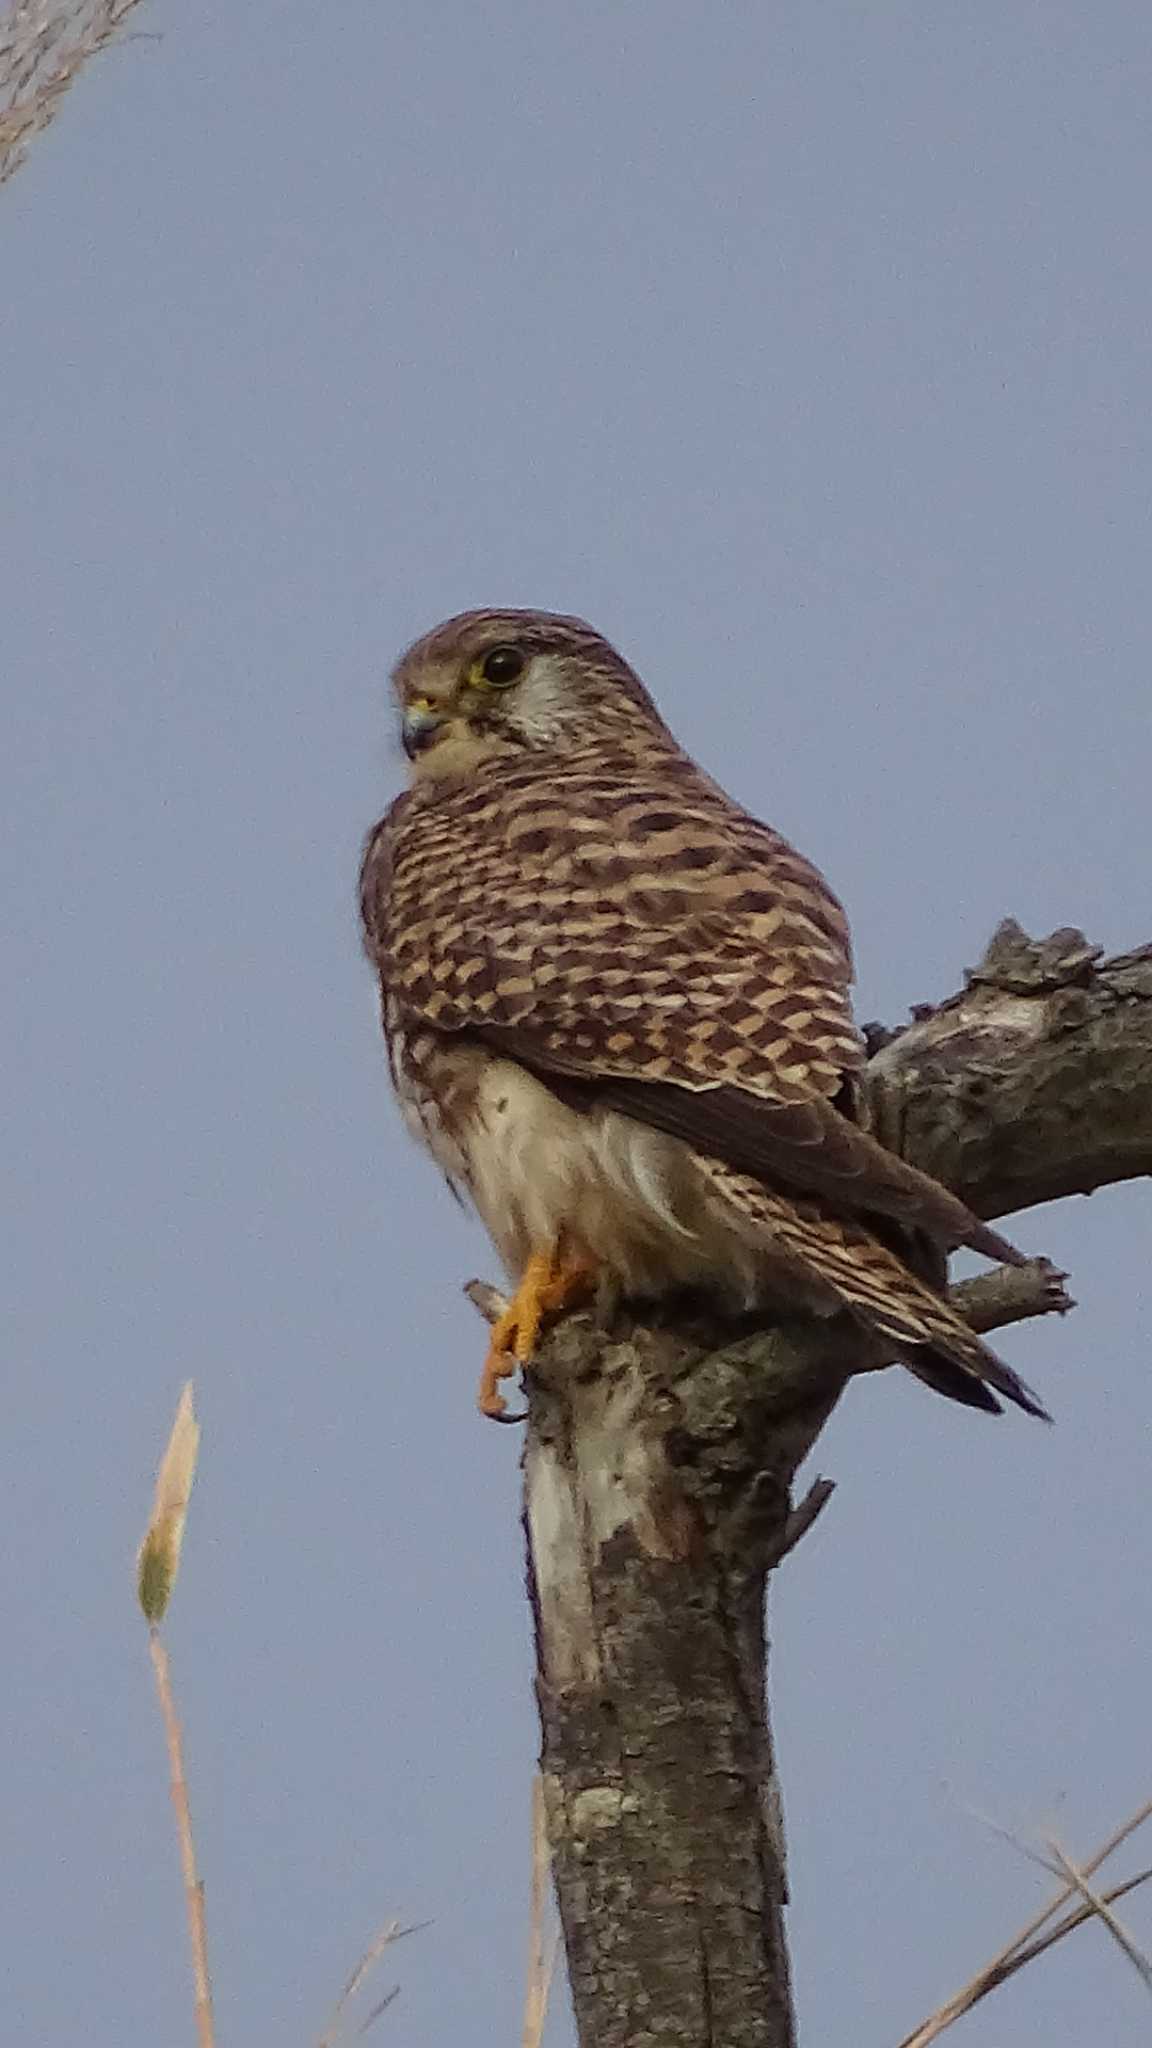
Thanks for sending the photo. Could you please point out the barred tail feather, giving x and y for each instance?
(872, 1282)
(966, 1370)
(933, 1342)
(955, 1382)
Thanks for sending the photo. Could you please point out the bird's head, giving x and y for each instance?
(505, 682)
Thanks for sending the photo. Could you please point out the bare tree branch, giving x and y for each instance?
(1030, 1084)
(801, 1519)
(1010, 1294)
(658, 1465)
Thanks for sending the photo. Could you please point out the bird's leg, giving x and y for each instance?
(551, 1282)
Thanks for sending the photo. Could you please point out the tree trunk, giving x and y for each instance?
(657, 1493)
(657, 1497)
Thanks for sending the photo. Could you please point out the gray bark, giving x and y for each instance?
(657, 1497)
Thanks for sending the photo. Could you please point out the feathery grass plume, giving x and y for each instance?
(159, 1556)
(44, 46)
(157, 1564)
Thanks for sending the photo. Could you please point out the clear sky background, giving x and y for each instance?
(806, 350)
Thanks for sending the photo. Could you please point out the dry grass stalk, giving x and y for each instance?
(358, 1977)
(1077, 1918)
(542, 1941)
(44, 45)
(157, 1565)
(995, 1975)
(193, 1886)
(1102, 1908)
(1024, 1948)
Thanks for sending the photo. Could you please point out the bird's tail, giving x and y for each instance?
(849, 1263)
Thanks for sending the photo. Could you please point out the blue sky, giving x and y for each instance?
(806, 351)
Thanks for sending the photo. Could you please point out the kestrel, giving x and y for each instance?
(617, 1013)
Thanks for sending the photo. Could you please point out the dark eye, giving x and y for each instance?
(501, 666)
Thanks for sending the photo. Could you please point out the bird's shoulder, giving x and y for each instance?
(647, 837)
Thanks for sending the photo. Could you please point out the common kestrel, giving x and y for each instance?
(617, 1014)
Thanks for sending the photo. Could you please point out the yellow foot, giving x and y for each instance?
(550, 1283)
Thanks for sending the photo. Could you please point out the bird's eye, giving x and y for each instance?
(501, 666)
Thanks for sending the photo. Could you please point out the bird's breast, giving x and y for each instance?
(541, 1172)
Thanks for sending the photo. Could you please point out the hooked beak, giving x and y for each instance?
(419, 727)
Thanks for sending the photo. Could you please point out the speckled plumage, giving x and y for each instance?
(617, 1006)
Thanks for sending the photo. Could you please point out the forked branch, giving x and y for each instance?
(658, 1470)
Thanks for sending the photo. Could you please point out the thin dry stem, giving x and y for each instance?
(542, 1942)
(380, 2006)
(992, 1979)
(1102, 1910)
(1013, 1956)
(193, 1886)
(1076, 1919)
(357, 1976)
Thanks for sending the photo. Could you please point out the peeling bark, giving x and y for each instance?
(657, 1497)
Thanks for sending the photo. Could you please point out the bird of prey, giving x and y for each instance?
(617, 1013)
